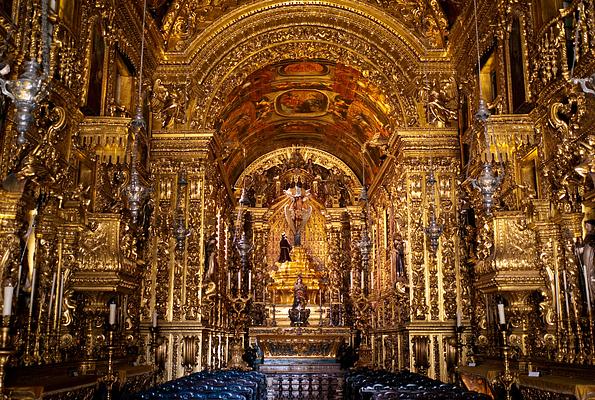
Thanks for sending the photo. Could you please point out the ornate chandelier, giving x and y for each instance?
(31, 87)
(434, 230)
(136, 192)
(487, 183)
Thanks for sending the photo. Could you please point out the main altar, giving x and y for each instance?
(299, 349)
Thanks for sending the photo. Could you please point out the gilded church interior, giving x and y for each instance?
(330, 193)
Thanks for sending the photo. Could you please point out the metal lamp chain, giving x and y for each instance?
(142, 52)
(45, 38)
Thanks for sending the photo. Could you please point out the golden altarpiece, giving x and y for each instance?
(346, 125)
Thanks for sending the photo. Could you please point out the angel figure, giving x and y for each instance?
(297, 212)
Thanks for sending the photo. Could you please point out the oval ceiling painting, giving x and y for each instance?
(305, 103)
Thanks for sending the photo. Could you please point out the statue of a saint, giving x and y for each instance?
(210, 258)
(285, 248)
(586, 253)
(299, 293)
(297, 212)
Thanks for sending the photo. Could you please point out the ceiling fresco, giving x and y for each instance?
(182, 20)
(306, 102)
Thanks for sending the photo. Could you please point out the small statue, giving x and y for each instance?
(210, 258)
(285, 248)
(299, 293)
(298, 314)
(586, 255)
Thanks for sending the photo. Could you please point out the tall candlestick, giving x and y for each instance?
(7, 309)
(501, 316)
(362, 278)
(112, 313)
(154, 319)
(32, 299)
(566, 293)
(61, 297)
(52, 296)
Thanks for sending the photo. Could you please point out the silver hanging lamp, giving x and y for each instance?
(30, 88)
(488, 182)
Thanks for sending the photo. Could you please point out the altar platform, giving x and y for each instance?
(311, 342)
(301, 362)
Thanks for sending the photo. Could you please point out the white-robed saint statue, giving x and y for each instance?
(298, 211)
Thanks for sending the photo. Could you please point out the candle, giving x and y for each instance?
(112, 313)
(372, 280)
(351, 279)
(459, 319)
(239, 280)
(229, 280)
(154, 319)
(249, 280)
(8, 291)
(501, 317)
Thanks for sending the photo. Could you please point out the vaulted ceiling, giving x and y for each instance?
(341, 76)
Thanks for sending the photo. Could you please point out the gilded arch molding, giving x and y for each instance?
(257, 35)
(319, 157)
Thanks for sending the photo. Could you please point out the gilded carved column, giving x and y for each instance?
(336, 275)
(575, 302)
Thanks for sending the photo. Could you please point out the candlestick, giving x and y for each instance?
(7, 309)
(501, 316)
(362, 278)
(32, 298)
(566, 293)
(51, 303)
(60, 297)
(112, 313)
